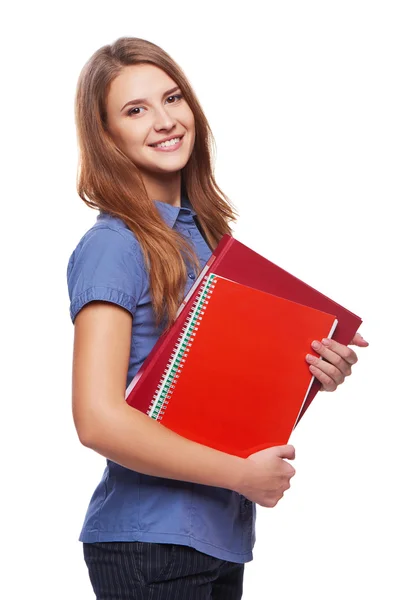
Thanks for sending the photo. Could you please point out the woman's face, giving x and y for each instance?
(144, 106)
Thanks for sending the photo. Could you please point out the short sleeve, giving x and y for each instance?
(104, 266)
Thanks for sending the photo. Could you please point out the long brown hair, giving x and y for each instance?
(109, 181)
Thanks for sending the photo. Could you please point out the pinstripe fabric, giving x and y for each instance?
(152, 571)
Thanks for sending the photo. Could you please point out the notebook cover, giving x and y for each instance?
(237, 378)
(238, 262)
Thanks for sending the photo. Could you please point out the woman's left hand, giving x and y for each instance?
(335, 362)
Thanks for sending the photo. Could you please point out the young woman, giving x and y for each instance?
(170, 518)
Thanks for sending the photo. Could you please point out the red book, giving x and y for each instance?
(236, 379)
(237, 262)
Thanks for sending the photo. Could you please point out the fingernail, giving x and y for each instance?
(316, 345)
(310, 357)
(326, 341)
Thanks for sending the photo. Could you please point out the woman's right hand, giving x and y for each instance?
(268, 475)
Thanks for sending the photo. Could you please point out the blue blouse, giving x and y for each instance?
(108, 264)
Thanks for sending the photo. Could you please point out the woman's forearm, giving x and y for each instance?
(133, 440)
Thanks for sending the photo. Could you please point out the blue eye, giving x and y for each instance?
(177, 96)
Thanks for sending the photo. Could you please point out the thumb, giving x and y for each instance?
(358, 340)
(287, 451)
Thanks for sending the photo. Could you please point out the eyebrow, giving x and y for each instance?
(140, 100)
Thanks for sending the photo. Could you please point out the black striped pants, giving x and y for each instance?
(150, 571)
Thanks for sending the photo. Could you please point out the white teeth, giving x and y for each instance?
(168, 143)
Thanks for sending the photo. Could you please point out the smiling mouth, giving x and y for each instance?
(168, 144)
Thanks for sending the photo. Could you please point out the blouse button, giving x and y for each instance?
(191, 275)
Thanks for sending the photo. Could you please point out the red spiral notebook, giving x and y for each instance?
(237, 378)
(237, 262)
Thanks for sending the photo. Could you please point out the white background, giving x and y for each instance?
(303, 99)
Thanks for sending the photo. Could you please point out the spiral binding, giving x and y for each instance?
(166, 385)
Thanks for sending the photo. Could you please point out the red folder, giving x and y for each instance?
(236, 379)
(236, 261)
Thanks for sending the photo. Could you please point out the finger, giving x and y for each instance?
(329, 385)
(287, 451)
(327, 369)
(344, 351)
(358, 340)
(335, 359)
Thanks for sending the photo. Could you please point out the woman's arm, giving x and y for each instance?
(108, 425)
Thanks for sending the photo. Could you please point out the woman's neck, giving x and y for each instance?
(167, 189)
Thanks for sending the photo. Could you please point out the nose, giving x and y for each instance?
(162, 119)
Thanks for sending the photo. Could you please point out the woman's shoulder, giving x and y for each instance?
(109, 240)
(106, 264)
(111, 233)
(106, 223)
